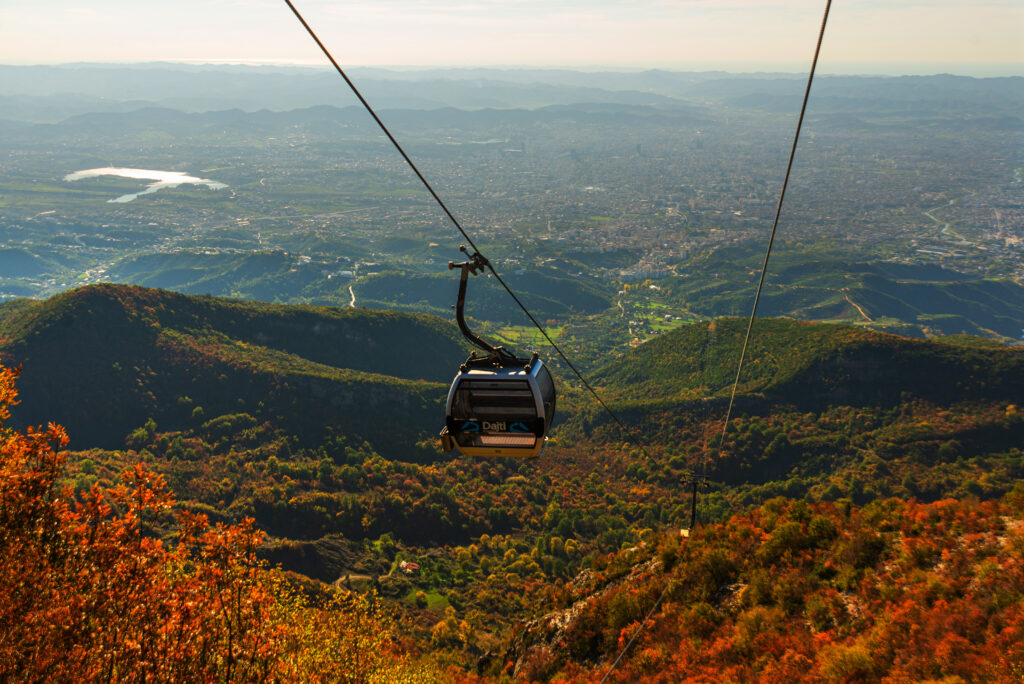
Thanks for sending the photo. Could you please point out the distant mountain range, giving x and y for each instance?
(53, 93)
(330, 122)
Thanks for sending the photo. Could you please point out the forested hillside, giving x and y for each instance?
(810, 364)
(116, 583)
(281, 414)
(791, 592)
(102, 360)
(825, 283)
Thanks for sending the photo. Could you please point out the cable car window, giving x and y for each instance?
(480, 398)
(513, 441)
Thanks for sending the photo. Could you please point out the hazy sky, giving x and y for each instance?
(981, 37)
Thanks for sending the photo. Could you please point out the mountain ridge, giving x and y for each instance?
(821, 357)
(155, 354)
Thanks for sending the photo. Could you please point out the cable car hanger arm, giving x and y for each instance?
(337, 67)
(476, 264)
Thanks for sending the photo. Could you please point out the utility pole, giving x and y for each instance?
(695, 483)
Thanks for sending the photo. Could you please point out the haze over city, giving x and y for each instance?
(930, 36)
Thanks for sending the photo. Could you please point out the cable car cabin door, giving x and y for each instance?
(499, 412)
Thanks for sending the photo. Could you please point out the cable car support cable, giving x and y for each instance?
(771, 239)
(750, 323)
(455, 222)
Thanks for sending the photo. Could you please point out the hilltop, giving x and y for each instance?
(823, 411)
(104, 359)
(813, 364)
(276, 276)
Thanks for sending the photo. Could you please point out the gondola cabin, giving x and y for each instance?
(499, 404)
(500, 408)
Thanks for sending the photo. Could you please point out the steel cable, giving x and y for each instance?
(757, 296)
(455, 222)
(775, 226)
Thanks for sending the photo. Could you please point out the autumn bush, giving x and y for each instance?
(93, 591)
(896, 591)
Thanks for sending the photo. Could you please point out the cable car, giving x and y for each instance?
(496, 409)
(499, 404)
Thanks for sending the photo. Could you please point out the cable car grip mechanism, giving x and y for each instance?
(476, 264)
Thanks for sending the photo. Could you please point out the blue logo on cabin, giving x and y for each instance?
(518, 427)
(471, 426)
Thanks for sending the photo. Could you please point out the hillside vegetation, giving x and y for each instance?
(92, 592)
(895, 591)
(809, 364)
(833, 418)
(104, 359)
(829, 285)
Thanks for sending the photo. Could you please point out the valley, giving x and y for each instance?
(252, 377)
(597, 193)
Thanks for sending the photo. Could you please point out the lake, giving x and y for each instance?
(162, 179)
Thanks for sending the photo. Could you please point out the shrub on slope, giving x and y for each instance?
(91, 594)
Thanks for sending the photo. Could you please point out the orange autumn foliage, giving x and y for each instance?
(897, 591)
(90, 592)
